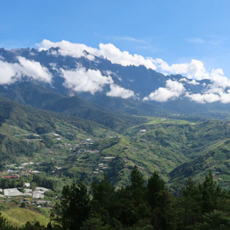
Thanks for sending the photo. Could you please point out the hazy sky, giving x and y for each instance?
(175, 31)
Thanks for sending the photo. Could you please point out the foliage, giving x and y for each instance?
(201, 206)
(74, 207)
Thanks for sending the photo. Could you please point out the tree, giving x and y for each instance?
(137, 188)
(188, 205)
(103, 199)
(216, 220)
(209, 194)
(154, 186)
(94, 224)
(132, 200)
(164, 217)
(23, 205)
(74, 207)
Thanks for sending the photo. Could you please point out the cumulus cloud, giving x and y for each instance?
(204, 98)
(34, 69)
(82, 80)
(9, 73)
(68, 49)
(173, 90)
(210, 97)
(218, 80)
(108, 51)
(195, 69)
(220, 96)
(191, 82)
(124, 58)
(225, 97)
(12, 72)
(117, 91)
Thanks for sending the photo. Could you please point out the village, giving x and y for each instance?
(56, 156)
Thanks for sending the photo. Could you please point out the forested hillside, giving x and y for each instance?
(139, 205)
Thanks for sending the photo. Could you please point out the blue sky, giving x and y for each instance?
(175, 31)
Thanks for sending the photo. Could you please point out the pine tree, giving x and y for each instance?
(137, 188)
(74, 207)
(154, 186)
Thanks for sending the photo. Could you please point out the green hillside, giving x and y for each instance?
(39, 96)
(129, 106)
(78, 107)
(23, 129)
(160, 145)
(215, 159)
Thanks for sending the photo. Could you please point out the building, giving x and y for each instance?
(12, 192)
(38, 195)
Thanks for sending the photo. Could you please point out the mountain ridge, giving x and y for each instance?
(99, 77)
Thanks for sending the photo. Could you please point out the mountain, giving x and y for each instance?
(35, 95)
(137, 115)
(132, 89)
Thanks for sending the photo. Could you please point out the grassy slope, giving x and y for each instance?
(19, 216)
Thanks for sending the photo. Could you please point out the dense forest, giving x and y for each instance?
(140, 205)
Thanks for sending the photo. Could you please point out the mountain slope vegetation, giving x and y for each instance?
(38, 96)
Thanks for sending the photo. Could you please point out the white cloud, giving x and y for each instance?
(225, 97)
(204, 98)
(117, 91)
(218, 79)
(175, 86)
(124, 58)
(195, 69)
(82, 80)
(161, 95)
(215, 91)
(35, 70)
(108, 51)
(210, 97)
(9, 73)
(191, 82)
(173, 90)
(68, 49)
(12, 72)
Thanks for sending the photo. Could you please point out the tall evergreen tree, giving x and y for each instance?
(154, 186)
(137, 188)
(74, 207)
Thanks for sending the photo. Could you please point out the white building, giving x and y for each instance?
(38, 195)
(12, 192)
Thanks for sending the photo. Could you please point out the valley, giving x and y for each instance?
(58, 132)
(50, 150)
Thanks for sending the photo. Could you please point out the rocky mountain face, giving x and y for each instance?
(101, 81)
